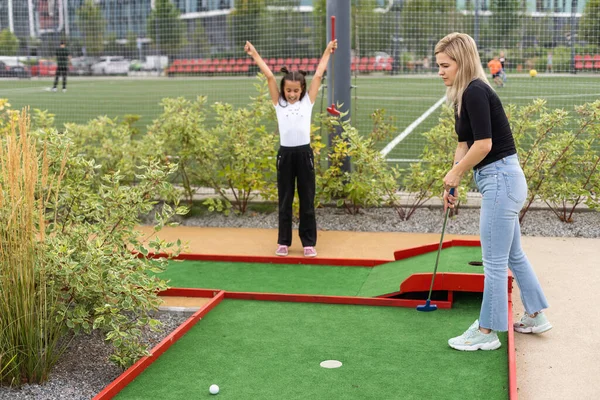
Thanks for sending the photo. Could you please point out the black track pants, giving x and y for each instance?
(61, 72)
(296, 165)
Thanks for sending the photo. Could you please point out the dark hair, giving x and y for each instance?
(62, 42)
(292, 76)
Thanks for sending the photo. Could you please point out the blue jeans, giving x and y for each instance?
(503, 188)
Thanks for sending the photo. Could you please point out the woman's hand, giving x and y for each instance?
(249, 49)
(449, 199)
(452, 179)
(332, 46)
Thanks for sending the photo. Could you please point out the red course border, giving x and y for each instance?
(449, 281)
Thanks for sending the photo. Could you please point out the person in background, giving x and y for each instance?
(495, 69)
(62, 66)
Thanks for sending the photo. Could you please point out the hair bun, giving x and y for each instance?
(303, 72)
(285, 70)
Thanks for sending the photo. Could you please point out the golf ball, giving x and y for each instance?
(213, 389)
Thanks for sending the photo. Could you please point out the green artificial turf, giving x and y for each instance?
(272, 278)
(316, 279)
(269, 350)
(386, 278)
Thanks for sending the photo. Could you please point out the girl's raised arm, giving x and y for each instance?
(264, 68)
(315, 84)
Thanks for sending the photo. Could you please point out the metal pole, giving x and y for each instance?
(573, 11)
(11, 24)
(476, 33)
(342, 82)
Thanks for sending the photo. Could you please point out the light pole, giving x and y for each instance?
(573, 11)
(476, 28)
(397, 7)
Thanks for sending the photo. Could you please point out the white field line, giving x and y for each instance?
(411, 127)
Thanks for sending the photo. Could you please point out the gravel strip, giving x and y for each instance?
(424, 220)
(84, 370)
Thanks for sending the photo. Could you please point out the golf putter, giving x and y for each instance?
(427, 306)
(331, 109)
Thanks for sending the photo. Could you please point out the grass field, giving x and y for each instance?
(406, 98)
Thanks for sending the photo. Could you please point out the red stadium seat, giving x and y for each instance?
(597, 61)
(587, 62)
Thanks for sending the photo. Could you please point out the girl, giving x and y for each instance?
(295, 159)
(485, 143)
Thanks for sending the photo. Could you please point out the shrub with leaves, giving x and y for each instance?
(371, 182)
(179, 134)
(81, 250)
(236, 158)
(575, 176)
(107, 142)
(92, 249)
(558, 163)
(424, 180)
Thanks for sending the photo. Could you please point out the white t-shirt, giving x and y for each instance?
(294, 122)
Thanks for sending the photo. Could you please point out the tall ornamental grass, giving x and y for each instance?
(30, 328)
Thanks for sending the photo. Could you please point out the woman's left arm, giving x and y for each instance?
(476, 153)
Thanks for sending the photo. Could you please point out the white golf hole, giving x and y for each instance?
(331, 364)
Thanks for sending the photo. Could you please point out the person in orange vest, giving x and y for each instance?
(495, 67)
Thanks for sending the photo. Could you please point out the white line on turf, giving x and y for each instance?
(411, 127)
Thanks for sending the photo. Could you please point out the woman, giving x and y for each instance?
(486, 144)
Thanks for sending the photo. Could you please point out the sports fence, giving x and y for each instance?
(126, 55)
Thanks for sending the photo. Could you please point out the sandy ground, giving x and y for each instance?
(563, 363)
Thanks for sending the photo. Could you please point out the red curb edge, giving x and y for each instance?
(512, 355)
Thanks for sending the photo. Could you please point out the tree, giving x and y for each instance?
(369, 27)
(506, 22)
(9, 43)
(320, 23)
(589, 27)
(92, 24)
(247, 24)
(165, 28)
(200, 41)
(424, 22)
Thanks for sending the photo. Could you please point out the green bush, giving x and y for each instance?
(236, 158)
(371, 182)
(81, 248)
(424, 180)
(557, 162)
(105, 141)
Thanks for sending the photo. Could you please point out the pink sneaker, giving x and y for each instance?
(310, 252)
(282, 250)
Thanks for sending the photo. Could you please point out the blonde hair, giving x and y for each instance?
(461, 48)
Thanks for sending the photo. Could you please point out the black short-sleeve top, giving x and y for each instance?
(482, 117)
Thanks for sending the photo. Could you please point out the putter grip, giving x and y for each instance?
(333, 30)
(451, 192)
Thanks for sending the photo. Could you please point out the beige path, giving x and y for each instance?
(563, 363)
(331, 244)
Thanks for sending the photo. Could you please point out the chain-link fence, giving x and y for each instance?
(126, 55)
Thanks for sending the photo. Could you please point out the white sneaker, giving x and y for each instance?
(473, 339)
(539, 324)
(64, 90)
(53, 89)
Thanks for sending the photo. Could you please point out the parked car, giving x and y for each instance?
(43, 68)
(14, 71)
(111, 65)
(82, 65)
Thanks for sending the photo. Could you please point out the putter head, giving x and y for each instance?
(427, 307)
(333, 111)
